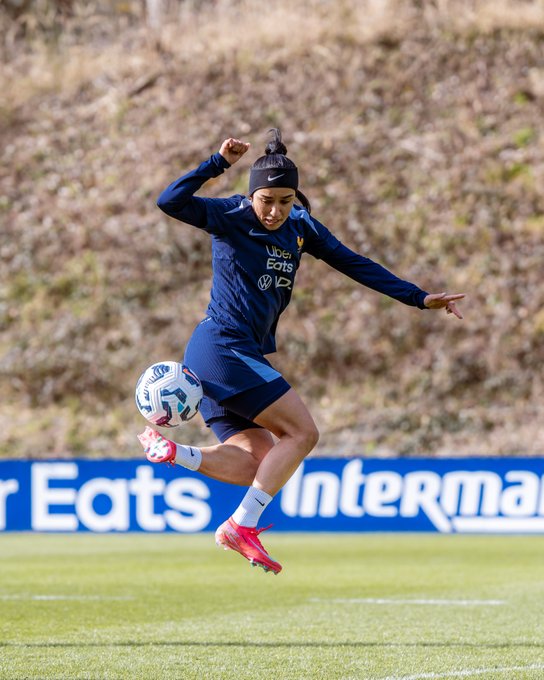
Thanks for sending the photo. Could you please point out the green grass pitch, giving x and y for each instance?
(345, 606)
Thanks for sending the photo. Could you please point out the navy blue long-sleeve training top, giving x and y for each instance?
(254, 268)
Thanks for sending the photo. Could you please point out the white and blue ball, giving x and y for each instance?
(168, 394)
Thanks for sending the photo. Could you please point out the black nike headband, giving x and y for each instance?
(267, 178)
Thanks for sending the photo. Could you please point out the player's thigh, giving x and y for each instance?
(289, 416)
(256, 441)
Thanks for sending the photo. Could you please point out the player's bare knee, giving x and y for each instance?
(307, 439)
(313, 438)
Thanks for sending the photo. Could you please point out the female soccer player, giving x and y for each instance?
(257, 244)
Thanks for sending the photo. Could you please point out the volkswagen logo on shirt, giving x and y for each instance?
(264, 282)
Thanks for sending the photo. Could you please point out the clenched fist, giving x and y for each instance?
(233, 149)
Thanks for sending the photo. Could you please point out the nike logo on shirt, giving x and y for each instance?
(256, 233)
(271, 179)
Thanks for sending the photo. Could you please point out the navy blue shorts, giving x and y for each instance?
(238, 382)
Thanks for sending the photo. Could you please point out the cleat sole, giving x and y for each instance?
(229, 540)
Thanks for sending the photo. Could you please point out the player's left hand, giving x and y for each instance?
(444, 301)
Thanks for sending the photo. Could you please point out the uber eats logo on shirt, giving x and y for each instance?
(278, 259)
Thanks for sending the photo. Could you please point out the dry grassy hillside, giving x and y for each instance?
(417, 126)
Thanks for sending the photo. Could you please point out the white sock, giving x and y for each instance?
(188, 456)
(249, 511)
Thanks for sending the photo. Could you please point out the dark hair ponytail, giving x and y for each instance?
(305, 202)
(275, 158)
(275, 145)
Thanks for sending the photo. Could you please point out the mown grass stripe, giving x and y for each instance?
(374, 600)
(468, 673)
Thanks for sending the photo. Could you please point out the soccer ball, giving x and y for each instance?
(168, 394)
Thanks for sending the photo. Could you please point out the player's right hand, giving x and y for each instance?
(233, 149)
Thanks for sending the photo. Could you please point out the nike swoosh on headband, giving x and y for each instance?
(271, 179)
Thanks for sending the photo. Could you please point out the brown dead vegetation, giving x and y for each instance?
(418, 130)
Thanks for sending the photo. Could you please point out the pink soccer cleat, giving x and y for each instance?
(245, 541)
(156, 448)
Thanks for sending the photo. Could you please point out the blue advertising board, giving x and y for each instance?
(468, 495)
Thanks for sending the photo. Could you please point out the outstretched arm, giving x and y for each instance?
(324, 245)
